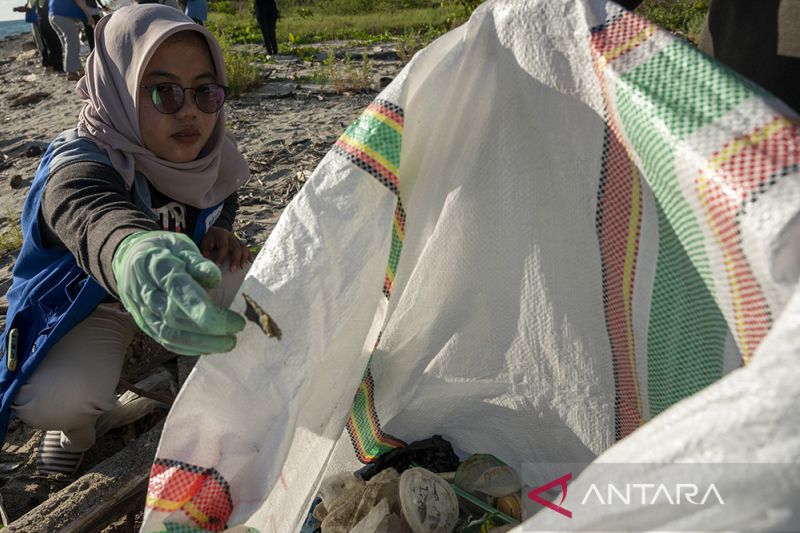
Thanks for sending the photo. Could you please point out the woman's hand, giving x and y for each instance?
(161, 281)
(218, 243)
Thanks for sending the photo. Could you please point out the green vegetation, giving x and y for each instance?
(410, 24)
(365, 27)
(682, 17)
(347, 76)
(412, 42)
(241, 70)
(10, 235)
(310, 21)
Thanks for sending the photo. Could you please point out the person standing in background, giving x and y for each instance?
(53, 54)
(267, 17)
(65, 16)
(94, 8)
(760, 40)
(197, 10)
(30, 16)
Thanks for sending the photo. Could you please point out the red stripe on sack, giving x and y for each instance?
(616, 205)
(618, 33)
(380, 169)
(171, 483)
(383, 110)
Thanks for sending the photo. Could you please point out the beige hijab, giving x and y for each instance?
(125, 42)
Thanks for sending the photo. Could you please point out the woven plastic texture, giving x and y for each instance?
(555, 235)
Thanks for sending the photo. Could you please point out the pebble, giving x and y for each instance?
(33, 151)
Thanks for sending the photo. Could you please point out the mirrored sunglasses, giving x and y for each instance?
(168, 98)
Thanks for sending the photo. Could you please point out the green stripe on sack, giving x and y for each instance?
(657, 155)
(684, 89)
(659, 103)
(686, 334)
(382, 138)
(370, 446)
(394, 253)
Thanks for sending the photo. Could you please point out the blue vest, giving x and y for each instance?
(197, 9)
(50, 293)
(67, 8)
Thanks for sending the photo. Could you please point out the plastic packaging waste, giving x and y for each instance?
(487, 474)
(510, 504)
(428, 502)
(348, 503)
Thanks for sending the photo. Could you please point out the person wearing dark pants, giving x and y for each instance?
(89, 29)
(267, 17)
(53, 53)
(30, 16)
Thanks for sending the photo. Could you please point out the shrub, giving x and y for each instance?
(242, 72)
(682, 17)
(223, 6)
(347, 76)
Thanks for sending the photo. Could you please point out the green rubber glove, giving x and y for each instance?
(161, 280)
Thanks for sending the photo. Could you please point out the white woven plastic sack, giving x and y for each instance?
(556, 223)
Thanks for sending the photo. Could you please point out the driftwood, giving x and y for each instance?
(112, 489)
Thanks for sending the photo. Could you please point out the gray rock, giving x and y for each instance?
(279, 90)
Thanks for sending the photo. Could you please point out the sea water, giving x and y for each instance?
(14, 27)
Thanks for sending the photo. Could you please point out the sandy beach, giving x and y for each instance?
(283, 127)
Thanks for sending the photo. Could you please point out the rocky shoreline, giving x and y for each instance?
(284, 127)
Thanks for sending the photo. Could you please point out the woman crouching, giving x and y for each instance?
(128, 223)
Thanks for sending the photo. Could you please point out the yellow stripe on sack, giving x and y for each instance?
(749, 140)
(370, 429)
(627, 278)
(169, 505)
(370, 152)
(738, 308)
(380, 117)
(374, 429)
(728, 262)
(708, 174)
(359, 439)
(195, 513)
(624, 47)
(398, 229)
(155, 502)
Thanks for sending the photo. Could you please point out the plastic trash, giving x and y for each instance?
(436, 454)
(381, 520)
(510, 504)
(347, 501)
(429, 504)
(341, 495)
(487, 474)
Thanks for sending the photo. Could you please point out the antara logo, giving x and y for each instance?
(630, 494)
(651, 494)
(562, 482)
